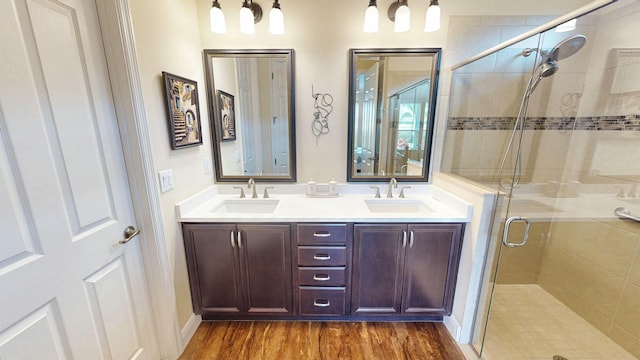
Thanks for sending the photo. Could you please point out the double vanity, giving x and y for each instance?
(349, 257)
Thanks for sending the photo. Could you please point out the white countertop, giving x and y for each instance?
(350, 206)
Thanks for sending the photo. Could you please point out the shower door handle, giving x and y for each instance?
(507, 225)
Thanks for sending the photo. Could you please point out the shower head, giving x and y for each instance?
(562, 50)
(548, 68)
(567, 47)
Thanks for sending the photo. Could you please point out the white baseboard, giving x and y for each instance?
(453, 326)
(189, 329)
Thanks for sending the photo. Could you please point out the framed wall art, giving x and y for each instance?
(184, 112)
(227, 116)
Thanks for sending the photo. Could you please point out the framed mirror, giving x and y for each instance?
(392, 97)
(251, 108)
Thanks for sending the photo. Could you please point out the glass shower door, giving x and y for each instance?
(572, 290)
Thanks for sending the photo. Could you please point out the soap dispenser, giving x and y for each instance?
(311, 187)
(333, 187)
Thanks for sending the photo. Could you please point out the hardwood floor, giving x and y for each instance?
(281, 340)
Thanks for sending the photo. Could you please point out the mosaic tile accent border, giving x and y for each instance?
(592, 123)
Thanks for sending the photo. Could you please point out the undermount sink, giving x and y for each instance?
(246, 206)
(397, 206)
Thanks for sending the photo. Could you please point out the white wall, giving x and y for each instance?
(168, 39)
(322, 32)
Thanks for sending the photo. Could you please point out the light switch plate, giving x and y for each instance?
(166, 180)
(208, 166)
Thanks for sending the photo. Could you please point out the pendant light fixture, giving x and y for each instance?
(432, 20)
(276, 19)
(250, 14)
(216, 19)
(400, 14)
(371, 16)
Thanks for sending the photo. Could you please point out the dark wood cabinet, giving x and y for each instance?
(242, 269)
(323, 259)
(323, 271)
(407, 269)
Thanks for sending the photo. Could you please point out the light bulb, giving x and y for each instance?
(216, 18)
(371, 19)
(403, 19)
(247, 26)
(432, 20)
(276, 20)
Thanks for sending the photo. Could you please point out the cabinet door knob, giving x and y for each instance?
(411, 239)
(321, 277)
(404, 239)
(322, 234)
(322, 257)
(233, 240)
(239, 239)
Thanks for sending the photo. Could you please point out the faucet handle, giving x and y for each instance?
(265, 195)
(402, 191)
(377, 195)
(242, 195)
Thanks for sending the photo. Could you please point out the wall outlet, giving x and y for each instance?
(166, 180)
(208, 166)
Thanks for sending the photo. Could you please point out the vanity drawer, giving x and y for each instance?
(322, 233)
(322, 301)
(322, 255)
(322, 276)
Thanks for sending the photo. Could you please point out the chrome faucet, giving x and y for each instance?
(251, 184)
(393, 183)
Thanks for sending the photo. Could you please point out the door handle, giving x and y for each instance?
(505, 233)
(129, 233)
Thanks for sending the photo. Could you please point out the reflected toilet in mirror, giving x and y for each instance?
(392, 96)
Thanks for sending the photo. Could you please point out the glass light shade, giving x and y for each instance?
(403, 19)
(432, 20)
(276, 21)
(371, 17)
(247, 26)
(217, 23)
(567, 26)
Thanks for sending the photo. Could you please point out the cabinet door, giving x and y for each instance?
(378, 260)
(431, 268)
(214, 268)
(266, 268)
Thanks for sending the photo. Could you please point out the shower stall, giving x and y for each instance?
(551, 121)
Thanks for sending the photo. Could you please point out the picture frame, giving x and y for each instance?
(226, 116)
(183, 108)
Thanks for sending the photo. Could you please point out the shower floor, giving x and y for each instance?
(527, 323)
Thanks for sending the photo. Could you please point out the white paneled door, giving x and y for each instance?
(68, 290)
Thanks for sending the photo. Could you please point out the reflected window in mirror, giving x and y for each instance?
(251, 108)
(392, 95)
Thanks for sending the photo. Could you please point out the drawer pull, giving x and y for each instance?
(323, 257)
(321, 277)
(321, 303)
(322, 234)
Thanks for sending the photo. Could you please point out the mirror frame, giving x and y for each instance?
(353, 53)
(210, 54)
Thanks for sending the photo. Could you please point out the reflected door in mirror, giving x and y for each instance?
(261, 83)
